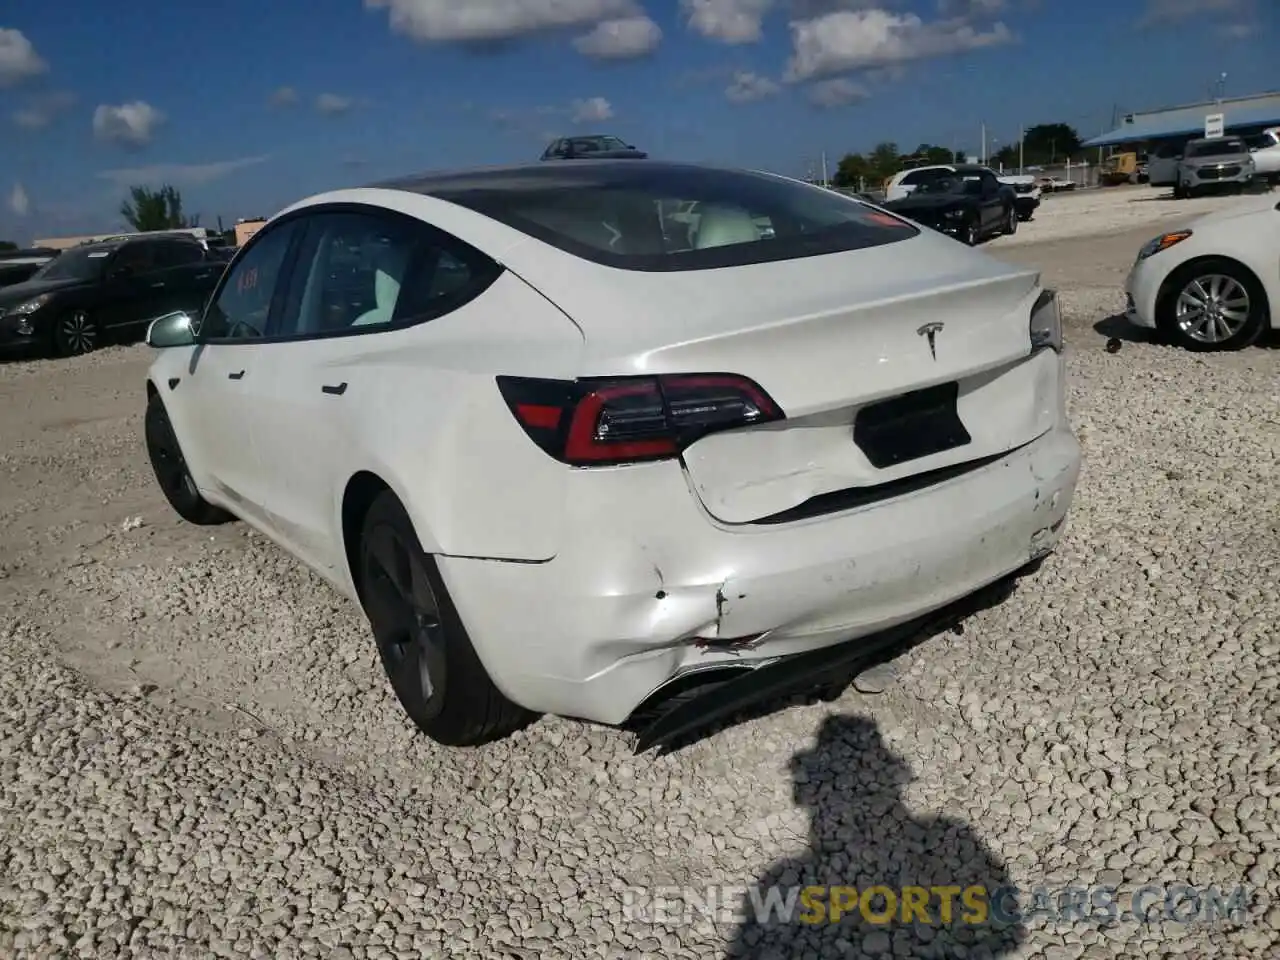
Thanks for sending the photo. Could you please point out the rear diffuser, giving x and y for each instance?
(837, 664)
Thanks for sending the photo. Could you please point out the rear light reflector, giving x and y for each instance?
(601, 421)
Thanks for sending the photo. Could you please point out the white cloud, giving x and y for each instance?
(623, 39)
(331, 104)
(128, 124)
(837, 92)
(19, 202)
(591, 110)
(729, 21)
(43, 110)
(747, 87)
(856, 40)
(1173, 11)
(18, 58)
(179, 174)
(283, 97)
(481, 21)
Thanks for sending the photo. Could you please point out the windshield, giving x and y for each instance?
(74, 264)
(643, 216)
(1216, 148)
(952, 185)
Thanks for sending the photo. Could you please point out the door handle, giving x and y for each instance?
(335, 390)
(235, 376)
(156, 286)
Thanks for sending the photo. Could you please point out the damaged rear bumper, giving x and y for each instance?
(614, 616)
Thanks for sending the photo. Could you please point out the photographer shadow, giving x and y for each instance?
(862, 836)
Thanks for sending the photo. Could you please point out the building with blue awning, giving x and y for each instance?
(1241, 115)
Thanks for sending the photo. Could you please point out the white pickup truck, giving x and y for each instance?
(1026, 193)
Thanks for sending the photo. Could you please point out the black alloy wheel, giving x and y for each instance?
(423, 645)
(74, 333)
(171, 472)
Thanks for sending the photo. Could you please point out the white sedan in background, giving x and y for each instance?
(1213, 285)
(570, 462)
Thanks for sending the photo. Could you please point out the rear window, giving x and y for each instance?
(924, 176)
(669, 217)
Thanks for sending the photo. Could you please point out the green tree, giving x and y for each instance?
(928, 153)
(7, 245)
(161, 209)
(851, 171)
(1007, 156)
(885, 160)
(1049, 143)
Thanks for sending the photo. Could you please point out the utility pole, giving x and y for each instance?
(984, 143)
(825, 183)
(1022, 135)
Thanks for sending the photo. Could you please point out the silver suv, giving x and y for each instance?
(1216, 162)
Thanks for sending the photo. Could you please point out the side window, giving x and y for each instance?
(134, 258)
(178, 253)
(242, 306)
(361, 272)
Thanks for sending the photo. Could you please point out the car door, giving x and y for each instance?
(992, 203)
(189, 276)
(361, 276)
(131, 290)
(1162, 168)
(228, 370)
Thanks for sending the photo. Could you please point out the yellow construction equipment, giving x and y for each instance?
(1119, 168)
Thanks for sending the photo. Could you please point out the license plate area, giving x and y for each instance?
(910, 426)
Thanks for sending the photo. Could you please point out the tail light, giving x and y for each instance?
(601, 421)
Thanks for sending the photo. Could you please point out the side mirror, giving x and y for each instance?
(171, 330)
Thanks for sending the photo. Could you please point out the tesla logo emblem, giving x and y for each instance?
(931, 331)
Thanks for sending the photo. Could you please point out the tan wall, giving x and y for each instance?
(246, 230)
(62, 243)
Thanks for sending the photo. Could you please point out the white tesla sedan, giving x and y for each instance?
(1213, 285)
(569, 455)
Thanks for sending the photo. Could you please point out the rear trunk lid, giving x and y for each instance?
(827, 337)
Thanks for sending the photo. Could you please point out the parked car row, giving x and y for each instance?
(1200, 164)
(72, 301)
(966, 201)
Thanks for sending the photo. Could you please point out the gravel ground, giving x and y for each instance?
(1094, 213)
(199, 756)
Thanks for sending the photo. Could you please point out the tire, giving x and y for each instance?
(75, 333)
(171, 472)
(1011, 222)
(422, 643)
(1231, 284)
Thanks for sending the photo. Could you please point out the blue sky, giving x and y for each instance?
(246, 107)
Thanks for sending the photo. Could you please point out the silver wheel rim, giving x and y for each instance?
(1212, 308)
(78, 332)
